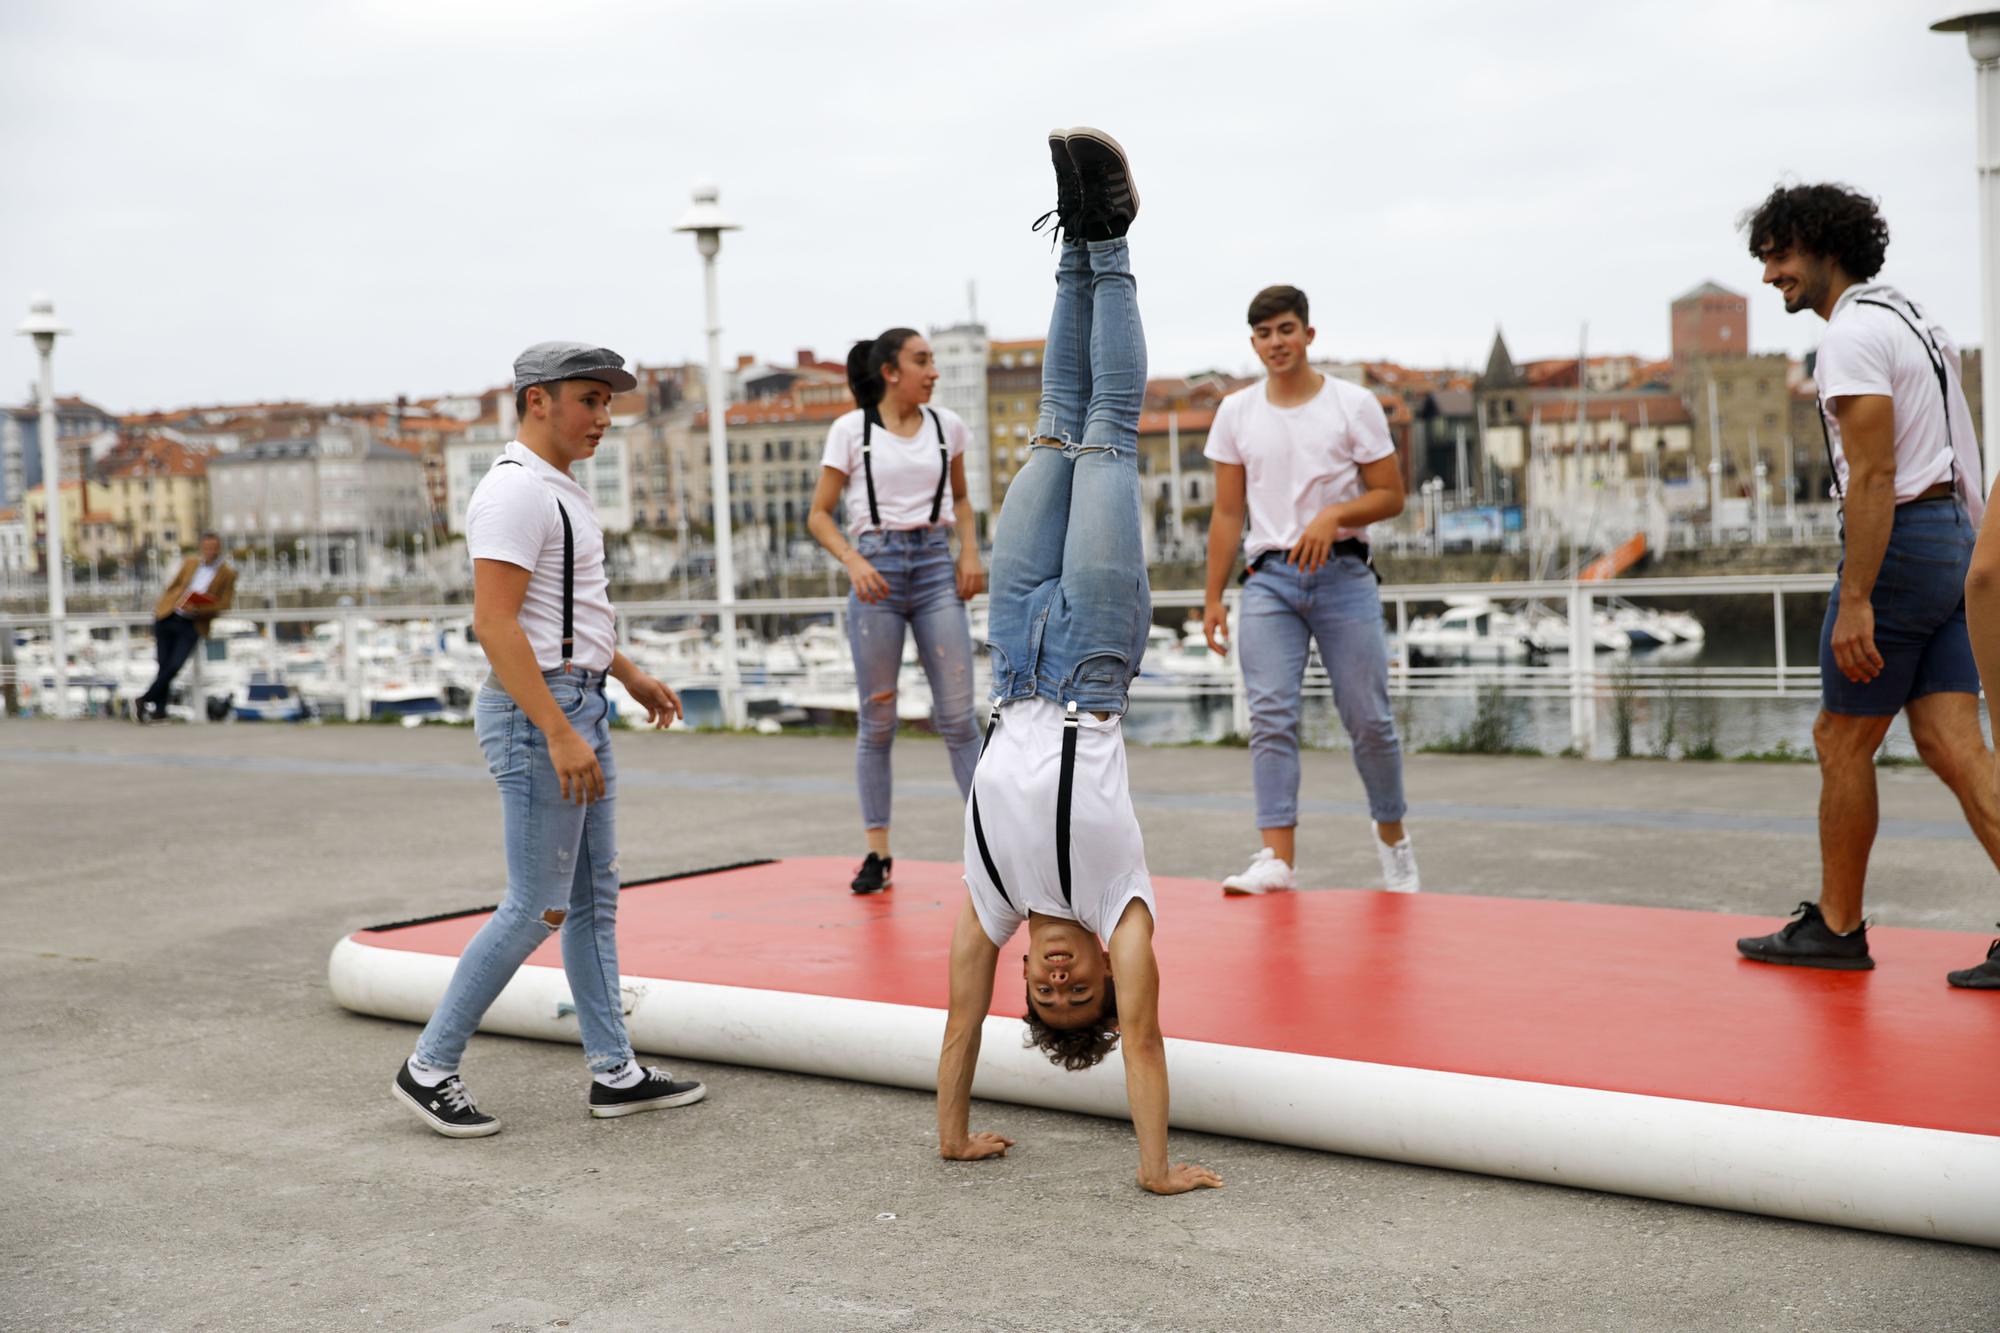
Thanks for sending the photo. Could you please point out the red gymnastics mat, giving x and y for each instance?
(1622, 1048)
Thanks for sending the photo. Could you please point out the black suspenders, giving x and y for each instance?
(1065, 786)
(569, 578)
(978, 829)
(1933, 354)
(868, 420)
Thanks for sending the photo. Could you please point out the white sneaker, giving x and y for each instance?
(1399, 864)
(1265, 874)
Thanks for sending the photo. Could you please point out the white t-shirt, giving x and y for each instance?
(512, 517)
(1868, 350)
(1017, 782)
(204, 577)
(906, 470)
(1298, 460)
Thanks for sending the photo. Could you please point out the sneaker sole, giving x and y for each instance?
(1097, 136)
(656, 1104)
(1824, 964)
(1970, 983)
(444, 1127)
(1238, 891)
(886, 884)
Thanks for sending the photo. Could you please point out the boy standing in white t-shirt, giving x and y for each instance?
(542, 610)
(1309, 459)
(1051, 841)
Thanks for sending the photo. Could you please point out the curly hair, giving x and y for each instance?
(1836, 221)
(1076, 1048)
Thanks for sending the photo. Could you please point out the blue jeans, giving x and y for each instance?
(1919, 604)
(923, 596)
(1341, 608)
(1070, 605)
(561, 857)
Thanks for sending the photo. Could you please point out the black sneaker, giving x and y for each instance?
(1069, 193)
(873, 877)
(1110, 199)
(1984, 977)
(655, 1092)
(447, 1108)
(1805, 941)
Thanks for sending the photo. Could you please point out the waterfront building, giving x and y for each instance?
(1708, 323)
(1013, 405)
(16, 552)
(774, 447)
(155, 491)
(961, 352)
(83, 431)
(337, 484)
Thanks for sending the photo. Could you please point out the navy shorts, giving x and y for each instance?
(1919, 602)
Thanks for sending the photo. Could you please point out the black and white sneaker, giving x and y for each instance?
(1104, 175)
(1986, 976)
(1068, 212)
(655, 1092)
(873, 877)
(1807, 941)
(447, 1108)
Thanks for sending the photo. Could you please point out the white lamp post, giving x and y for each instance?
(42, 327)
(1982, 38)
(707, 221)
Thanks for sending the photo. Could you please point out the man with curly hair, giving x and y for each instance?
(1906, 469)
(1050, 837)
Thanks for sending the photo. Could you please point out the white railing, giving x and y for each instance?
(1582, 678)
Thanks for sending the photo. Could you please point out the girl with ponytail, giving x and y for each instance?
(898, 464)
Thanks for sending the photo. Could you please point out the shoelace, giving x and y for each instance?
(452, 1090)
(1055, 231)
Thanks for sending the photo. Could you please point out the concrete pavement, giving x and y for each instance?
(199, 1138)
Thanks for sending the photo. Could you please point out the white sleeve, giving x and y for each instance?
(957, 435)
(1855, 357)
(839, 452)
(510, 518)
(1369, 440)
(1221, 444)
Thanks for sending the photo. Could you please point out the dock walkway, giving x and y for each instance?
(200, 1138)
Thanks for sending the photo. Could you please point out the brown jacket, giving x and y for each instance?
(222, 589)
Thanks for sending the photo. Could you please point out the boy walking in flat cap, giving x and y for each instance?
(542, 612)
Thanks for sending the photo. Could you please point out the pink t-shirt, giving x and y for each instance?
(1298, 460)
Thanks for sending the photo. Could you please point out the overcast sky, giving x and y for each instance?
(238, 201)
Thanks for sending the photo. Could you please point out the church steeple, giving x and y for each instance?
(1500, 372)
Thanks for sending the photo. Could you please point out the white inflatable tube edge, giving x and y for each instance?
(1933, 1184)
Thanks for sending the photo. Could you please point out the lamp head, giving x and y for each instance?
(1982, 32)
(41, 322)
(706, 219)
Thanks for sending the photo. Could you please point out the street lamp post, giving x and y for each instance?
(41, 326)
(1982, 38)
(707, 221)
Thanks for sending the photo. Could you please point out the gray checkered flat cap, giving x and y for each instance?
(546, 363)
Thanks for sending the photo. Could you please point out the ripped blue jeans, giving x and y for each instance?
(1070, 604)
(923, 601)
(562, 875)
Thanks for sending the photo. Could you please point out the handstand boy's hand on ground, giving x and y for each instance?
(1180, 1179)
(976, 1147)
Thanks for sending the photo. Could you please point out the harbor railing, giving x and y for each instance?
(1584, 676)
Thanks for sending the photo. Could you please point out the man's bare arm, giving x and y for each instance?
(1868, 439)
(1225, 535)
(1145, 1051)
(973, 956)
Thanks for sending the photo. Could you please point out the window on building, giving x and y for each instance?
(784, 451)
(768, 451)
